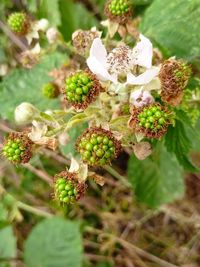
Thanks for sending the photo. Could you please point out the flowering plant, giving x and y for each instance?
(127, 96)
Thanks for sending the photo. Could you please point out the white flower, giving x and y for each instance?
(37, 26)
(121, 61)
(52, 35)
(141, 98)
(25, 112)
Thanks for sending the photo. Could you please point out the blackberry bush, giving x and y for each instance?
(19, 23)
(98, 146)
(81, 89)
(17, 148)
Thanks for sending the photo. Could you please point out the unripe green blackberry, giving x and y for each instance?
(151, 120)
(98, 146)
(50, 90)
(67, 188)
(19, 23)
(81, 89)
(17, 148)
(118, 10)
(174, 76)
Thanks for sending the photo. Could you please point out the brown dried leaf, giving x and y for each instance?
(142, 150)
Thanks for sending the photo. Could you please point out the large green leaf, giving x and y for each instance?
(178, 142)
(156, 180)
(50, 9)
(23, 85)
(174, 26)
(8, 247)
(54, 242)
(74, 16)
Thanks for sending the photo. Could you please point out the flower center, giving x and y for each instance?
(120, 60)
(13, 150)
(65, 191)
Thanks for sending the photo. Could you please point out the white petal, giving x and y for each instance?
(141, 98)
(99, 70)
(74, 166)
(98, 51)
(143, 78)
(143, 52)
(42, 25)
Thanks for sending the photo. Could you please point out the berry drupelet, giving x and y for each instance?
(19, 23)
(98, 146)
(17, 148)
(67, 187)
(81, 89)
(118, 10)
(152, 120)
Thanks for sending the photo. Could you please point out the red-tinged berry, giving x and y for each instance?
(50, 90)
(118, 10)
(98, 146)
(152, 120)
(81, 89)
(174, 76)
(17, 148)
(67, 188)
(19, 23)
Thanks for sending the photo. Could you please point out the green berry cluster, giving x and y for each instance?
(153, 118)
(13, 150)
(65, 191)
(96, 148)
(49, 90)
(119, 7)
(17, 21)
(78, 87)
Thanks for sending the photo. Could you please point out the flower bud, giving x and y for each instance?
(25, 113)
(141, 98)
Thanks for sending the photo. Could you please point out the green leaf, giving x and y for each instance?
(156, 180)
(54, 242)
(169, 24)
(74, 16)
(73, 133)
(177, 142)
(23, 85)
(8, 247)
(49, 9)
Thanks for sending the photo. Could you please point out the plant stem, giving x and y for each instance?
(118, 176)
(33, 210)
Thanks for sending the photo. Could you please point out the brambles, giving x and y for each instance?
(50, 90)
(98, 146)
(17, 148)
(81, 89)
(174, 76)
(67, 187)
(151, 120)
(19, 23)
(118, 10)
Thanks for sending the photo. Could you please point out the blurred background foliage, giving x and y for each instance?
(109, 228)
